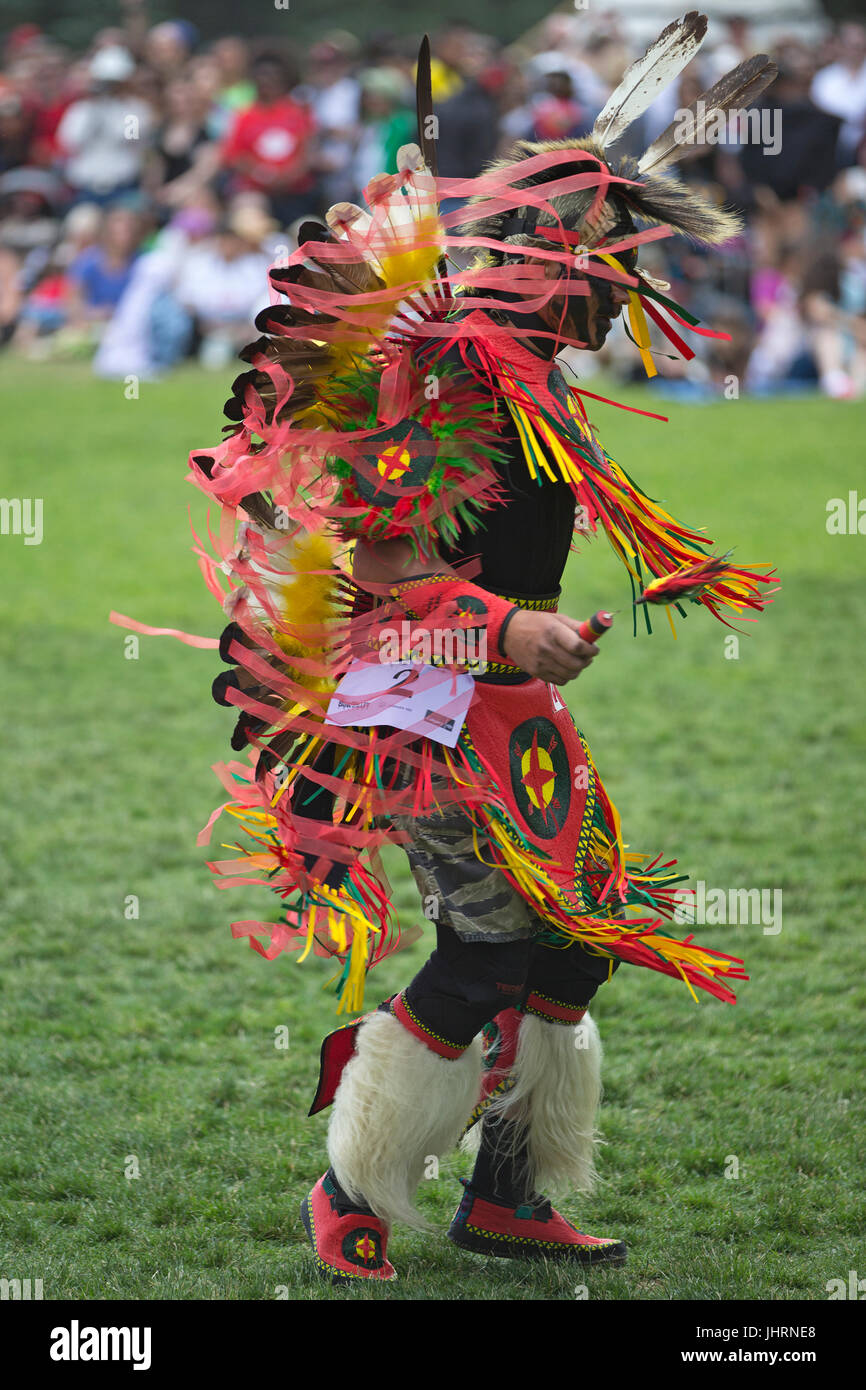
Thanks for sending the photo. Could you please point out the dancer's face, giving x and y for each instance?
(588, 318)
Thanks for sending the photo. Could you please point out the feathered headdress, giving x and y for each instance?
(638, 184)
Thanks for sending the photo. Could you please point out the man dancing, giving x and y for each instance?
(408, 444)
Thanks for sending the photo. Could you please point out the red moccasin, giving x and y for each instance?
(531, 1232)
(347, 1244)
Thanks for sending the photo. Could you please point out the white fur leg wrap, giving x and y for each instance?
(555, 1100)
(397, 1105)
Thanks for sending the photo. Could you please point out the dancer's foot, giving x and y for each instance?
(533, 1231)
(349, 1242)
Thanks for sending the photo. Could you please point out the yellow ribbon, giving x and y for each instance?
(636, 319)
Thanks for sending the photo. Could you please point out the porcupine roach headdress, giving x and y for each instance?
(650, 194)
(350, 424)
(578, 191)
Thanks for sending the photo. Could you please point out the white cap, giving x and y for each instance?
(112, 64)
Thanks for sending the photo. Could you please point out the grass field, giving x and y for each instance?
(148, 1045)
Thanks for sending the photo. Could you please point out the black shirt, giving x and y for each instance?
(523, 542)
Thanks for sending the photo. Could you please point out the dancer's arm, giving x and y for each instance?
(545, 645)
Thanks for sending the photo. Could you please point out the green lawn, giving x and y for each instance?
(149, 1043)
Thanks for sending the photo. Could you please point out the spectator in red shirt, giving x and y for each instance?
(52, 94)
(269, 146)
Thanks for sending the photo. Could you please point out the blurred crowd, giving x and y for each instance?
(147, 184)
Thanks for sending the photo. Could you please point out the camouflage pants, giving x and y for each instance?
(473, 898)
(493, 950)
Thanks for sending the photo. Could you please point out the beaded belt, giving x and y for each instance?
(500, 671)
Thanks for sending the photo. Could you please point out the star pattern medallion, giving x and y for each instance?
(397, 458)
(539, 776)
(363, 1246)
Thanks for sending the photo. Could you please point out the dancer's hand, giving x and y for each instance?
(547, 645)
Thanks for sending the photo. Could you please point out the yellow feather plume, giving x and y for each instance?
(308, 603)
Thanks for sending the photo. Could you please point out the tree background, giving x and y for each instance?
(74, 21)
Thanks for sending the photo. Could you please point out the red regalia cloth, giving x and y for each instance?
(373, 409)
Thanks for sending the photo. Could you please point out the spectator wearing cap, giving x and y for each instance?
(104, 137)
(269, 146)
(20, 39)
(29, 199)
